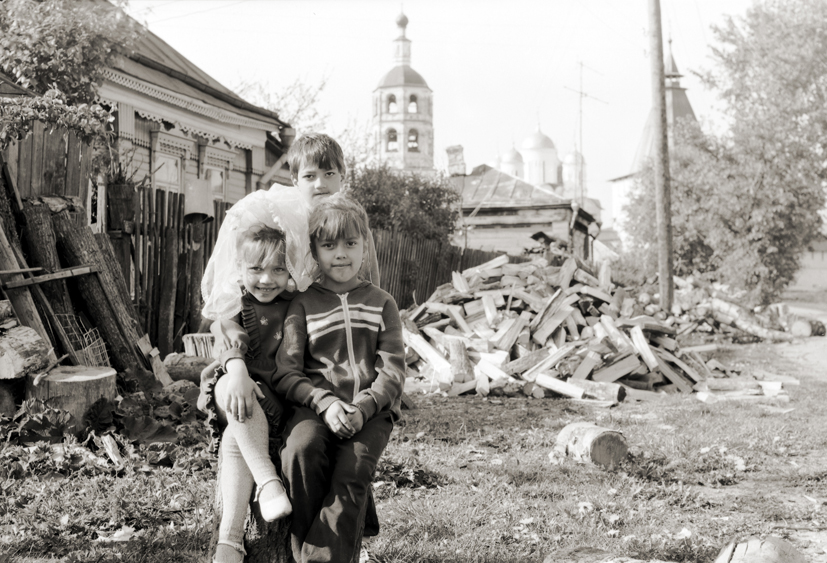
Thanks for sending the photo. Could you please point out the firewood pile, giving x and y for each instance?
(549, 330)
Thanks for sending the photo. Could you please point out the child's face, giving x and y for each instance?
(265, 281)
(315, 182)
(340, 260)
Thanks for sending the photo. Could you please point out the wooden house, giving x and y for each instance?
(186, 132)
(503, 213)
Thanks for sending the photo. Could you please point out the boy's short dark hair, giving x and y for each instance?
(316, 148)
(338, 216)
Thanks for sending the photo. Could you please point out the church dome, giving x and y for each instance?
(402, 75)
(402, 20)
(573, 157)
(511, 156)
(538, 140)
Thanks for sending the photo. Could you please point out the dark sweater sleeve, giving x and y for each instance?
(231, 340)
(289, 379)
(390, 366)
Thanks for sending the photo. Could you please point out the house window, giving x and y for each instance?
(217, 178)
(413, 140)
(392, 145)
(412, 105)
(168, 172)
(391, 104)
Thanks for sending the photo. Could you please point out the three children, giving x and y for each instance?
(338, 360)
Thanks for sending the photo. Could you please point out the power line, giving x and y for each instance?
(198, 12)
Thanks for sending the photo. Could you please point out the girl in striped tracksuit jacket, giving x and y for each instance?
(342, 367)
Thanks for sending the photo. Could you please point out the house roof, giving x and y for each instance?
(155, 62)
(490, 187)
(9, 87)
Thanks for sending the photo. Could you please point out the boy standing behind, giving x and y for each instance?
(317, 165)
(342, 364)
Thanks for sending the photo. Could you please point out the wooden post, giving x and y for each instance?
(196, 273)
(663, 203)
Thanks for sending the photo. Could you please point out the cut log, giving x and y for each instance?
(41, 250)
(642, 347)
(74, 388)
(558, 386)
(550, 362)
(22, 352)
(755, 550)
(182, 367)
(600, 390)
(804, 328)
(735, 315)
(680, 381)
(78, 247)
(586, 442)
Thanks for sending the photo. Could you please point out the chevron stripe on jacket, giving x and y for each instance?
(342, 346)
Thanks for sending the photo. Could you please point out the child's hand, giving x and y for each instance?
(356, 418)
(241, 392)
(336, 418)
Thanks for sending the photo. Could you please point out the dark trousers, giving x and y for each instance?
(328, 480)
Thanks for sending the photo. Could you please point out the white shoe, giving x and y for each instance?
(275, 506)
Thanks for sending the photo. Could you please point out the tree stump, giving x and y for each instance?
(74, 388)
(265, 542)
(755, 550)
(22, 351)
(583, 441)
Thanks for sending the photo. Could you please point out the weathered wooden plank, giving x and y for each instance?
(24, 170)
(54, 162)
(38, 145)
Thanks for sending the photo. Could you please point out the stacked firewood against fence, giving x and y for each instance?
(71, 303)
(540, 330)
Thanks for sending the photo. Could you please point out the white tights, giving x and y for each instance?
(245, 461)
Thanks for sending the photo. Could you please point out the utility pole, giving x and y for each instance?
(663, 199)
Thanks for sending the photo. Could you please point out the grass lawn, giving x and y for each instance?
(468, 479)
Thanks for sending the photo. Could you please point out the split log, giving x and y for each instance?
(558, 386)
(41, 249)
(22, 351)
(730, 384)
(804, 328)
(435, 360)
(584, 441)
(461, 368)
(78, 246)
(742, 319)
(73, 388)
(189, 368)
(755, 550)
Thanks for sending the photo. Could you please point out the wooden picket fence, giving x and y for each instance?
(164, 256)
(411, 268)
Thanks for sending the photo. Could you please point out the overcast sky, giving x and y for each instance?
(496, 67)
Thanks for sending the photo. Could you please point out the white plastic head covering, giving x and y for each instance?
(280, 207)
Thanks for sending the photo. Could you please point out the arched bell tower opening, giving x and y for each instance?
(402, 109)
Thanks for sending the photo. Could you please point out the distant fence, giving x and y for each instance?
(412, 267)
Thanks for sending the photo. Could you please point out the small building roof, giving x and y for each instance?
(493, 188)
(9, 87)
(402, 75)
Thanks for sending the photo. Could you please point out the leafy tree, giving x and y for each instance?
(420, 205)
(62, 44)
(296, 104)
(746, 203)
